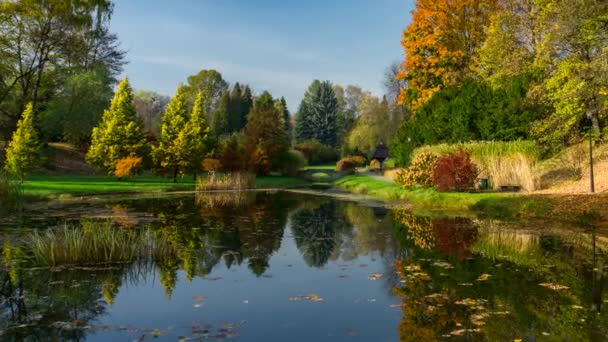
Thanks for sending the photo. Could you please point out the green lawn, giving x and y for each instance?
(320, 167)
(66, 186)
(422, 198)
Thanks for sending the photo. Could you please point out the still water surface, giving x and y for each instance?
(287, 267)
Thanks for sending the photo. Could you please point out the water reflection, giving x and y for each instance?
(452, 276)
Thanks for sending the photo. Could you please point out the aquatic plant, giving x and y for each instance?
(101, 244)
(229, 181)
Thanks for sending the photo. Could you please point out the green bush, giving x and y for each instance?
(316, 153)
(320, 177)
(419, 173)
(291, 162)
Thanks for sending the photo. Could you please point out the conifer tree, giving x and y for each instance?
(317, 115)
(194, 141)
(236, 119)
(220, 124)
(285, 116)
(23, 154)
(247, 105)
(172, 138)
(119, 135)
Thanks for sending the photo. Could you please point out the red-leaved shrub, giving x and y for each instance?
(455, 172)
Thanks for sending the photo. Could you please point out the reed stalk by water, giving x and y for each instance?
(230, 181)
(102, 244)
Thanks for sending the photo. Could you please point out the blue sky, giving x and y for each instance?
(275, 45)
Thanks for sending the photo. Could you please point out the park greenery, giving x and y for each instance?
(509, 87)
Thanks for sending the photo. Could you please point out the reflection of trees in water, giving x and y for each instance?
(441, 293)
(42, 305)
(315, 231)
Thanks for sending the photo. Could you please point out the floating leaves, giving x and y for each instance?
(554, 286)
(374, 276)
(483, 277)
(310, 297)
(199, 301)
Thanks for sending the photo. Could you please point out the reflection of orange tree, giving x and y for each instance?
(419, 228)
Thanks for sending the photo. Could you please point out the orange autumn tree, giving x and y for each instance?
(439, 45)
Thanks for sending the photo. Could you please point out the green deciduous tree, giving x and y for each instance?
(317, 115)
(77, 108)
(23, 154)
(211, 84)
(372, 126)
(119, 133)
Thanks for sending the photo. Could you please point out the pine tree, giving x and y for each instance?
(194, 139)
(23, 154)
(317, 115)
(247, 105)
(119, 135)
(172, 138)
(220, 124)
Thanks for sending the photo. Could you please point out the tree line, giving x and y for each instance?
(504, 70)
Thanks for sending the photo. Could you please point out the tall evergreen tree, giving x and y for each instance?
(236, 119)
(247, 105)
(285, 115)
(317, 115)
(119, 135)
(220, 121)
(264, 133)
(167, 154)
(194, 141)
(23, 154)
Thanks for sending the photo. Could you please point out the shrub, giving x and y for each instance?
(231, 155)
(230, 181)
(291, 162)
(345, 165)
(260, 161)
(455, 172)
(128, 167)
(419, 173)
(211, 165)
(320, 177)
(316, 153)
(374, 165)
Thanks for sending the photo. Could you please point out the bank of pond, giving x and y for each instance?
(287, 266)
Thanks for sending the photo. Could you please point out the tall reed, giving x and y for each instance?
(229, 181)
(102, 244)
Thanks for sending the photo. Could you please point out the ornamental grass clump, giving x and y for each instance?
(455, 172)
(419, 173)
(96, 244)
(229, 181)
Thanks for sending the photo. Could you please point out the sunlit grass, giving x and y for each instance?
(99, 243)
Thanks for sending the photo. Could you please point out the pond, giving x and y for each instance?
(293, 267)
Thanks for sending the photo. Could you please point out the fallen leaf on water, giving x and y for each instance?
(554, 286)
(461, 332)
(311, 297)
(372, 300)
(443, 264)
(466, 284)
(157, 333)
(199, 301)
(374, 276)
(484, 277)
(343, 276)
(545, 333)
(578, 307)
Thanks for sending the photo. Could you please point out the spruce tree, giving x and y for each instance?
(235, 116)
(317, 115)
(247, 105)
(119, 135)
(172, 139)
(23, 154)
(220, 124)
(285, 116)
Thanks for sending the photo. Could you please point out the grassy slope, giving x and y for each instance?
(65, 186)
(580, 209)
